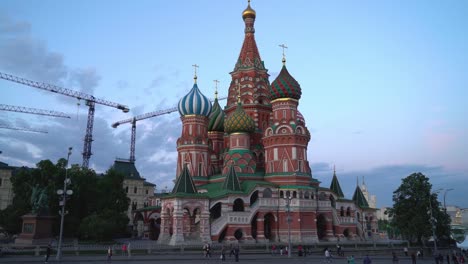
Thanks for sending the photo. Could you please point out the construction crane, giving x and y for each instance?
(34, 111)
(23, 129)
(90, 102)
(134, 119)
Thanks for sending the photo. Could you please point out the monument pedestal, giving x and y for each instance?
(37, 229)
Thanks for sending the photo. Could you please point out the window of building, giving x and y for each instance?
(135, 190)
(285, 165)
(146, 191)
(126, 189)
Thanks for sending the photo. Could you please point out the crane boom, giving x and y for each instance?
(61, 90)
(90, 102)
(152, 114)
(134, 119)
(34, 111)
(23, 129)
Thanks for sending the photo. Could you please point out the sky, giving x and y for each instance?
(383, 82)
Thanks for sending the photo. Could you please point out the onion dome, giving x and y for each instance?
(285, 86)
(217, 115)
(239, 121)
(249, 12)
(194, 103)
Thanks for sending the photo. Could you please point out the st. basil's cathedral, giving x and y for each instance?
(243, 169)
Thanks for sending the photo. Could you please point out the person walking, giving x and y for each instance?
(413, 258)
(124, 249)
(223, 253)
(236, 252)
(109, 254)
(327, 256)
(48, 252)
(367, 260)
(395, 259)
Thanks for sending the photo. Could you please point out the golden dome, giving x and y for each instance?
(248, 12)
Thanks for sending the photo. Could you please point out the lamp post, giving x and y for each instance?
(64, 193)
(288, 208)
(445, 194)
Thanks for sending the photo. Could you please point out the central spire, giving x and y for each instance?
(249, 56)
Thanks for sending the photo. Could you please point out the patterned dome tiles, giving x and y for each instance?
(239, 121)
(217, 116)
(194, 103)
(285, 86)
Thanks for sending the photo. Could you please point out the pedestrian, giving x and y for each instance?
(109, 254)
(236, 252)
(351, 259)
(223, 253)
(48, 251)
(124, 249)
(129, 251)
(395, 259)
(281, 250)
(231, 252)
(367, 260)
(273, 249)
(405, 249)
(327, 256)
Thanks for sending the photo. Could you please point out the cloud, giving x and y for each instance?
(21, 53)
(85, 79)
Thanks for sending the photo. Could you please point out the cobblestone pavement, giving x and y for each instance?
(195, 258)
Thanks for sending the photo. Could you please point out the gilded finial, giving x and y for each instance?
(284, 56)
(238, 93)
(216, 88)
(195, 66)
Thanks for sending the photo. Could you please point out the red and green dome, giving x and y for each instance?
(285, 86)
(239, 121)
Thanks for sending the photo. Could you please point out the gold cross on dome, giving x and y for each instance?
(284, 56)
(195, 66)
(216, 88)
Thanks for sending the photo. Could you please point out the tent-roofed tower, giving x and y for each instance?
(335, 185)
(250, 73)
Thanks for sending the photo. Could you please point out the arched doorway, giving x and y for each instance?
(238, 234)
(321, 226)
(253, 226)
(154, 228)
(138, 225)
(215, 211)
(269, 226)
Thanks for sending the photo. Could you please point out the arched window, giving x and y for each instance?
(267, 193)
(238, 205)
(135, 190)
(307, 195)
(348, 211)
(342, 211)
(281, 194)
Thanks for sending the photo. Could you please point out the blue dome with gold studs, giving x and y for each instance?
(194, 103)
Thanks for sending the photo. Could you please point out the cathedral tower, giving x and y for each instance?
(251, 76)
(286, 140)
(193, 146)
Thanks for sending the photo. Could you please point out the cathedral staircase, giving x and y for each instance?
(240, 218)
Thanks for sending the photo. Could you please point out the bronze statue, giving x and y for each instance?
(39, 200)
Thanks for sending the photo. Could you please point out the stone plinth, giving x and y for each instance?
(37, 229)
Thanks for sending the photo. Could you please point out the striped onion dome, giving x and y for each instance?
(217, 115)
(285, 86)
(239, 121)
(194, 103)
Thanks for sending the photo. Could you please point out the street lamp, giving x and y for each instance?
(288, 199)
(64, 193)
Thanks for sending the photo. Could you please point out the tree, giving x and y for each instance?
(413, 204)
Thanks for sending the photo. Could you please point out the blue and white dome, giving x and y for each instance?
(194, 103)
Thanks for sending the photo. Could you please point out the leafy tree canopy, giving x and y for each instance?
(413, 205)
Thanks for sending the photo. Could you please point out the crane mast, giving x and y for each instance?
(134, 119)
(34, 111)
(90, 102)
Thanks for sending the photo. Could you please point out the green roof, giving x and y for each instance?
(359, 198)
(215, 190)
(335, 186)
(184, 183)
(231, 182)
(128, 169)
